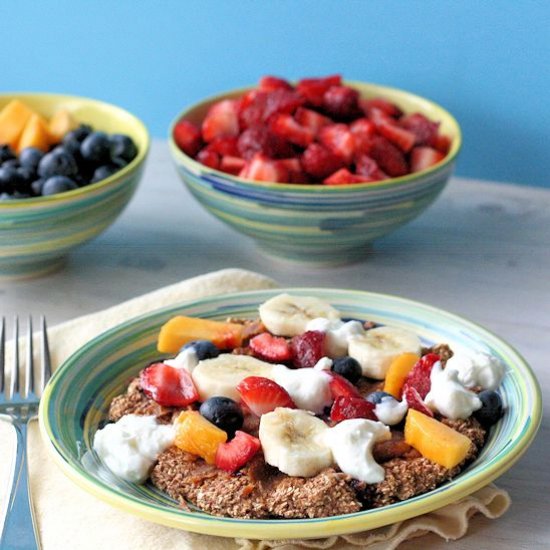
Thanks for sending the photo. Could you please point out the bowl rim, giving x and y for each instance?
(230, 527)
(179, 155)
(81, 191)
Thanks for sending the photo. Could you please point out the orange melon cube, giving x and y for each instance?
(434, 440)
(13, 118)
(198, 436)
(397, 373)
(61, 123)
(180, 330)
(35, 134)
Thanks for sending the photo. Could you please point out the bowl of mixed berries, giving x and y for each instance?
(315, 170)
(68, 167)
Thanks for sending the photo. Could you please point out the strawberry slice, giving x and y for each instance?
(362, 129)
(380, 104)
(414, 401)
(341, 387)
(424, 157)
(281, 101)
(188, 137)
(284, 126)
(398, 136)
(419, 377)
(234, 454)
(319, 162)
(339, 139)
(313, 89)
(389, 157)
(251, 108)
(269, 83)
(424, 129)
(221, 120)
(259, 139)
(232, 165)
(209, 158)
(262, 395)
(443, 143)
(341, 102)
(261, 168)
(345, 407)
(367, 166)
(344, 176)
(270, 348)
(307, 348)
(224, 145)
(168, 386)
(311, 119)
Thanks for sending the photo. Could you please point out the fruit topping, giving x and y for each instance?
(414, 401)
(424, 130)
(188, 137)
(168, 386)
(340, 387)
(314, 89)
(204, 349)
(319, 162)
(307, 348)
(262, 395)
(269, 83)
(224, 413)
(491, 408)
(57, 184)
(419, 376)
(221, 120)
(435, 440)
(424, 157)
(397, 373)
(341, 102)
(271, 348)
(339, 139)
(13, 118)
(345, 407)
(389, 157)
(234, 454)
(262, 168)
(61, 123)
(286, 127)
(377, 396)
(348, 367)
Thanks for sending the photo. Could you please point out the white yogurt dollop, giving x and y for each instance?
(478, 369)
(308, 388)
(351, 443)
(337, 333)
(448, 396)
(390, 411)
(130, 447)
(186, 359)
(325, 363)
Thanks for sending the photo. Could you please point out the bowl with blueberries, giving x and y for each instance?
(68, 167)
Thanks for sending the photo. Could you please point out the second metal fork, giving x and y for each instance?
(19, 531)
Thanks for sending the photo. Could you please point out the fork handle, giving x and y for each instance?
(19, 527)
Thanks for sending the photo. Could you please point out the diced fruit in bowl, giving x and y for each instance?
(324, 124)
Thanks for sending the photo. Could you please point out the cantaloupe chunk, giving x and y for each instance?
(434, 440)
(61, 123)
(35, 134)
(397, 373)
(13, 118)
(180, 330)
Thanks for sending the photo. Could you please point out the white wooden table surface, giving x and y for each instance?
(481, 251)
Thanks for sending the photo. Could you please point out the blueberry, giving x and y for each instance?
(349, 368)
(491, 408)
(10, 180)
(11, 163)
(203, 348)
(123, 147)
(102, 172)
(57, 163)
(36, 186)
(58, 184)
(6, 197)
(72, 146)
(377, 396)
(28, 175)
(78, 134)
(224, 413)
(6, 153)
(95, 148)
(30, 157)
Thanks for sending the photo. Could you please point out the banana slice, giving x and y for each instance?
(293, 441)
(220, 376)
(377, 348)
(286, 315)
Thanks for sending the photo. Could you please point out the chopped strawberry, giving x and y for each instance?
(291, 164)
(419, 377)
(319, 162)
(271, 348)
(221, 120)
(414, 401)
(269, 83)
(188, 137)
(389, 108)
(344, 176)
(443, 143)
(224, 145)
(262, 395)
(251, 108)
(307, 348)
(284, 126)
(341, 102)
(209, 158)
(424, 157)
(313, 89)
(341, 387)
(232, 165)
(367, 166)
(377, 116)
(311, 119)
(388, 157)
(281, 102)
(234, 454)
(262, 168)
(259, 139)
(362, 129)
(168, 386)
(339, 139)
(345, 407)
(424, 129)
(398, 136)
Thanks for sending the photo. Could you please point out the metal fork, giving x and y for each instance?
(19, 529)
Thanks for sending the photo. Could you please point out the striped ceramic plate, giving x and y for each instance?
(77, 398)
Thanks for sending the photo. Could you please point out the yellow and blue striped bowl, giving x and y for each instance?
(318, 223)
(77, 398)
(36, 234)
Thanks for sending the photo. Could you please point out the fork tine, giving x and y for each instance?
(14, 386)
(45, 359)
(29, 367)
(2, 352)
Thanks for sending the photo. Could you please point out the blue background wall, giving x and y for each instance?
(486, 61)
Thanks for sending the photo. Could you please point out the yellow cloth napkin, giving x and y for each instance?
(68, 517)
